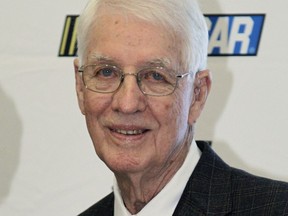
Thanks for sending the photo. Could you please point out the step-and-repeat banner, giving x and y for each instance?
(47, 161)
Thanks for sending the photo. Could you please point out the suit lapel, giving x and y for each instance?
(104, 207)
(208, 190)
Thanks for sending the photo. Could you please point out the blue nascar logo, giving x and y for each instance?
(234, 35)
(229, 35)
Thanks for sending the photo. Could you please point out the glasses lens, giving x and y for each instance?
(156, 81)
(102, 78)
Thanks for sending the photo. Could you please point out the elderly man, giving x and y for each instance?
(141, 84)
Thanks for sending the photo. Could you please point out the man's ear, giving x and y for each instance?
(201, 89)
(80, 88)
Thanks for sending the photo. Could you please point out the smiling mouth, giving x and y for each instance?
(129, 132)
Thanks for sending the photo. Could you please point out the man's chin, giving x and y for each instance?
(125, 166)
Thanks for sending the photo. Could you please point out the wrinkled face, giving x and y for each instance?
(133, 132)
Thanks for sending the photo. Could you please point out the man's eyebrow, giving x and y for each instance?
(100, 58)
(159, 62)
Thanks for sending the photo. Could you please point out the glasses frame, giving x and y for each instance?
(122, 77)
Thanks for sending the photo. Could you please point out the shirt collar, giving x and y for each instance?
(165, 202)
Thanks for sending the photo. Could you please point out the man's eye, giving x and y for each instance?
(105, 72)
(157, 76)
(153, 76)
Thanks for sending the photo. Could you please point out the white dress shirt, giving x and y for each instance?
(165, 202)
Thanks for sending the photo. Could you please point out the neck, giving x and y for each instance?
(137, 189)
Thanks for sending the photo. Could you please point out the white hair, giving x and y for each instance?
(181, 18)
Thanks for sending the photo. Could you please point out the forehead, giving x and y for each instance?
(117, 36)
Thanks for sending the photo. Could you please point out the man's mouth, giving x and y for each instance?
(129, 132)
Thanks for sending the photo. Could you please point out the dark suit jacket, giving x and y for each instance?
(215, 188)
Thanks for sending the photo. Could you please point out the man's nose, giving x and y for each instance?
(129, 98)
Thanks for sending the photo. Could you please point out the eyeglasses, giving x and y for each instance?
(154, 81)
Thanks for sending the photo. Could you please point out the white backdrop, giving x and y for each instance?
(47, 162)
